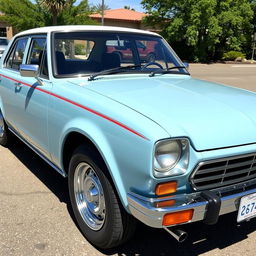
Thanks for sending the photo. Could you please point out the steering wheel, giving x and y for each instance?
(152, 63)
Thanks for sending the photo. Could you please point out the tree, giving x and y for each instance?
(204, 28)
(54, 7)
(253, 4)
(76, 14)
(129, 8)
(98, 8)
(22, 14)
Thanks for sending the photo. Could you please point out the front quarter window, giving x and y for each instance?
(15, 58)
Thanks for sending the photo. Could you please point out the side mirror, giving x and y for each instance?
(29, 70)
(186, 64)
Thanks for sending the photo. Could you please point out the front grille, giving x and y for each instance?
(224, 172)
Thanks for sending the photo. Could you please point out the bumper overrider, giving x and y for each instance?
(204, 206)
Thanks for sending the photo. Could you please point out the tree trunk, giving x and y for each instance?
(54, 20)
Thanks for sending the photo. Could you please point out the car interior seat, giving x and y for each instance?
(110, 60)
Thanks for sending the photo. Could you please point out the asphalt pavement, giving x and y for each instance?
(35, 216)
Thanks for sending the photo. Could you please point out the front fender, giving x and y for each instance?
(98, 138)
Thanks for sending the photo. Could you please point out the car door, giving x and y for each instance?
(29, 99)
(34, 97)
(10, 86)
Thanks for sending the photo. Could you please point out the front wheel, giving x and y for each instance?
(5, 135)
(98, 212)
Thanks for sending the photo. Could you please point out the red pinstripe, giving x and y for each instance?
(80, 106)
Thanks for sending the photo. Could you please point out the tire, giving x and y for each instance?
(5, 135)
(97, 210)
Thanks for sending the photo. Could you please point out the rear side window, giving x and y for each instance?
(74, 49)
(15, 59)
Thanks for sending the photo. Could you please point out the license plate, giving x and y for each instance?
(247, 208)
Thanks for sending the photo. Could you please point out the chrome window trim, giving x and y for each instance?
(13, 47)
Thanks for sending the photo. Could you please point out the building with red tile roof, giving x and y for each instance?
(5, 29)
(122, 18)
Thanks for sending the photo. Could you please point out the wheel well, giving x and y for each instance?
(73, 140)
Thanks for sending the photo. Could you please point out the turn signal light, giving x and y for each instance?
(177, 217)
(166, 188)
(162, 204)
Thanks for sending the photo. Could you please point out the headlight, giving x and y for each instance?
(171, 157)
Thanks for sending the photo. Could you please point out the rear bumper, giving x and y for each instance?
(205, 208)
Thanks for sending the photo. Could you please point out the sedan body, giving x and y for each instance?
(140, 140)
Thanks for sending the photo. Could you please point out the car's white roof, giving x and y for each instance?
(83, 28)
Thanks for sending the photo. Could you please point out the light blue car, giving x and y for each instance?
(137, 139)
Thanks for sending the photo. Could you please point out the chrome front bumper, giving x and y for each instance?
(144, 209)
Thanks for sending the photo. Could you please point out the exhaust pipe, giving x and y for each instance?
(178, 234)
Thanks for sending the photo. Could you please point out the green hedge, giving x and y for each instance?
(233, 55)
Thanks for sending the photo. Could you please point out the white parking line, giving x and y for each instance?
(244, 66)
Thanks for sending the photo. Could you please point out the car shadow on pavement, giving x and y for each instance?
(146, 241)
(201, 239)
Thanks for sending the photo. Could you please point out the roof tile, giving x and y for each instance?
(120, 14)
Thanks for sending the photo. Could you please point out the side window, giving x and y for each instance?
(121, 48)
(15, 58)
(37, 55)
(36, 51)
(74, 49)
(44, 69)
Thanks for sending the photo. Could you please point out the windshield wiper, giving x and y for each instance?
(165, 71)
(112, 71)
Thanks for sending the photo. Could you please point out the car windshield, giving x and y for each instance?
(3, 41)
(86, 53)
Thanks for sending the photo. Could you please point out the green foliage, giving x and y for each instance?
(129, 8)
(23, 14)
(76, 14)
(98, 8)
(54, 7)
(79, 49)
(233, 55)
(208, 27)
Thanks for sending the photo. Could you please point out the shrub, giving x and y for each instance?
(233, 55)
(79, 49)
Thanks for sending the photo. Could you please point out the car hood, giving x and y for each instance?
(211, 115)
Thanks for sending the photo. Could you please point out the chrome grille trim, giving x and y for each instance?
(222, 172)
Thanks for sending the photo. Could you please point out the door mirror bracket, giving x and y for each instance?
(30, 71)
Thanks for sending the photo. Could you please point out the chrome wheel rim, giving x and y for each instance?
(1, 126)
(89, 196)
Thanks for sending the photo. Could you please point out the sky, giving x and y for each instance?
(114, 4)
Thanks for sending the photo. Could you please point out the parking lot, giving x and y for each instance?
(35, 216)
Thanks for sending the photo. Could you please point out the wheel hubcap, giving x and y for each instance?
(89, 196)
(1, 126)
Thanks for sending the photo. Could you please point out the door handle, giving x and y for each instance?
(18, 84)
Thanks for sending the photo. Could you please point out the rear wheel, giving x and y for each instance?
(98, 212)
